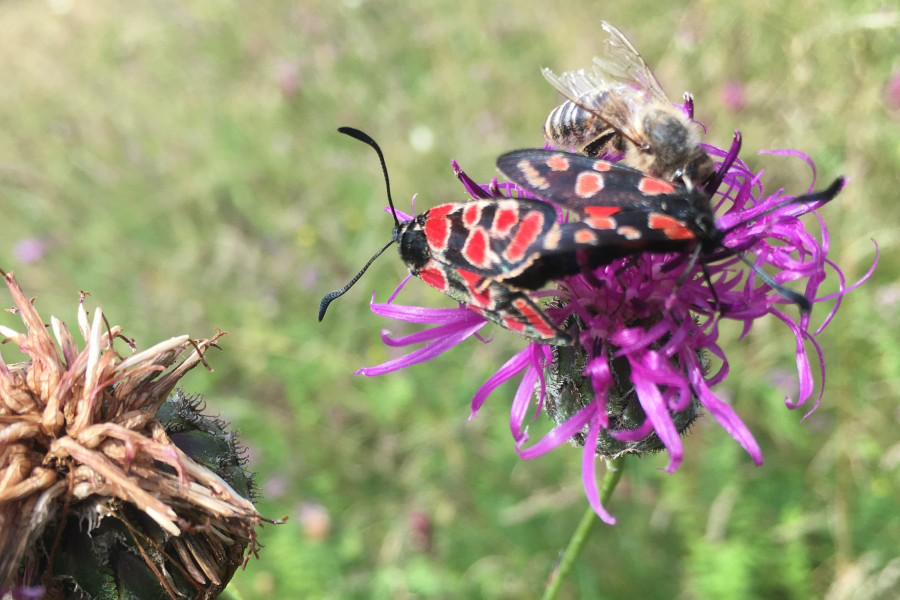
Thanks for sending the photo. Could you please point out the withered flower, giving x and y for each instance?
(110, 483)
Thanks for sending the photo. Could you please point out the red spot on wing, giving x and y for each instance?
(588, 183)
(478, 299)
(673, 228)
(442, 210)
(602, 211)
(482, 299)
(599, 217)
(437, 227)
(602, 165)
(504, 219)
(558, 162)
(437, 232)
(528, 231)
(471, 279)
(476, 247)
(662, 221)
(652, 186)
(471, 214)
(601, 222)
(585, 236)
(434, 277)
(535, 318)
(679, 233)
(513, 325)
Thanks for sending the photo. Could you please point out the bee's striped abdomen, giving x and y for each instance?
(571, 126)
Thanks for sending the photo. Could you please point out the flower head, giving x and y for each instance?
(647, 354)
(98, 452)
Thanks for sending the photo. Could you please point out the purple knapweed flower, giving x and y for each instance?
(647, 354)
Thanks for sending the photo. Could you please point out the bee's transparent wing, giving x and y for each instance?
(617, 108)
(623, 64)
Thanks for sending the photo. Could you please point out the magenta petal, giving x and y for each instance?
(514, 365)
(658, 414)
(484, 340)
(722, 412)
(561, 434)
(540, 356)
(520, 404)
(589, 473)
(430, 316)
(803, 369)
(821, 358)
(601, 380)
(396, 291)
(472, 188)
(423, 354)
(636, 434)
(402, 216)
(424, 335)
(861, 280)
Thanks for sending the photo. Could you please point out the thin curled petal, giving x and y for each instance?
(427, 352)
(657, 413)
(589, 472)
(520, 404)
(513, 366)
(561, 434)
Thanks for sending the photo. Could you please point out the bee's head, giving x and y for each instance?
(668, 136)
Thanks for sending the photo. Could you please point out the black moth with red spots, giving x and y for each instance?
(622, 211)
(489, 252)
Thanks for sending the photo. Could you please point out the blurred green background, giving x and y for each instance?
(179, 160)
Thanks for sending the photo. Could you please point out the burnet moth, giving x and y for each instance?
(488, 253)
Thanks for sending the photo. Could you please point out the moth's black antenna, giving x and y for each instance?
(712, 289)
(799, 299)
(364, 137)
(332, 296)
(824, 196)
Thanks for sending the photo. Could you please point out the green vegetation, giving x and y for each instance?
(179, 161)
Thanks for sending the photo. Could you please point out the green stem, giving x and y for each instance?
(614, 469)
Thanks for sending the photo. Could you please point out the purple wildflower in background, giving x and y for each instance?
(640, 321)
(733, 96)
(29, 250)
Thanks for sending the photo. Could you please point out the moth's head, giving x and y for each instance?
(704, 222)
(413, 244)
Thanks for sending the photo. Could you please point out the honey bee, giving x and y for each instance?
(619, 107)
